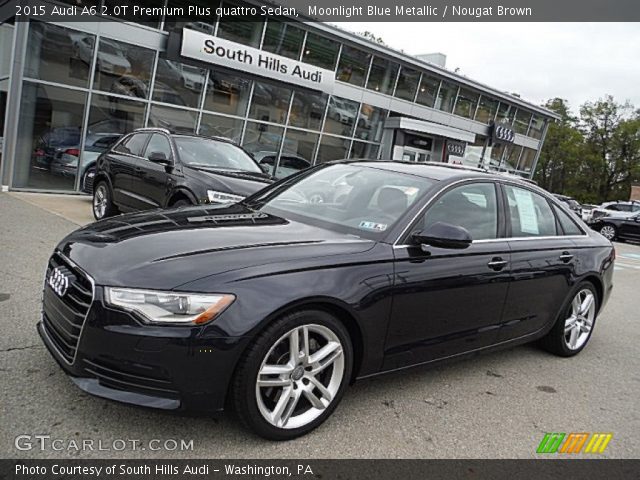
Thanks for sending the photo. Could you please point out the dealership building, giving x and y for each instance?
(294, 93)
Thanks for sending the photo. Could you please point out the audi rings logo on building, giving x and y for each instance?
(456, 149)
(58, 282)
(505, 134)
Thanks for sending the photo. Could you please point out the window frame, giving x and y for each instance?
(172, 156)
(550, 201)
(127, 137)
(556, 208)
(403, 240)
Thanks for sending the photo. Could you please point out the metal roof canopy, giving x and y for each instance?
(422, 126)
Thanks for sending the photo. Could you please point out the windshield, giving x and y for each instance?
(359, 199)
(208, 153)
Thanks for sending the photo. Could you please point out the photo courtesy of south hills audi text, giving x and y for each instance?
(156, 469)
(294, 238)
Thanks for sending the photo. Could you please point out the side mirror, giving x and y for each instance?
(443, 235)
(160, 158)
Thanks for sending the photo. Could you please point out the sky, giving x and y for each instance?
(579, 62)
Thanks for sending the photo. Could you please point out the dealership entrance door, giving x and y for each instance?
(410, 154)
(419, 141)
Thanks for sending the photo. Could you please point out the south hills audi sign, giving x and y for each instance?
(205, 48)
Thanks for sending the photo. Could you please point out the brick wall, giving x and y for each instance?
(635, 193)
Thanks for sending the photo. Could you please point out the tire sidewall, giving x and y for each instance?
(264, 342)
(109, 208)
(615, 231)
(558, 331)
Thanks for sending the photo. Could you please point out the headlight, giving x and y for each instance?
(221, 197)
(169, 307)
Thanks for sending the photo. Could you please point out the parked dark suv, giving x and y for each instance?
(152, 168)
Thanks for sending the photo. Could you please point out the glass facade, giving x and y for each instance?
(428, 92)
(407, 85)
(382, 76)
(81, 91)
(487, 109)
(353, 66)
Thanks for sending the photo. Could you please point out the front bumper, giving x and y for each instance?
(171, 368)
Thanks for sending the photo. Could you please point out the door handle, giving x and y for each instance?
(566, 257)
(497, 264)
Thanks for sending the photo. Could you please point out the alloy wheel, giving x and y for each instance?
(608, 232)
(578, 325)
(300, 376)
(100, 199)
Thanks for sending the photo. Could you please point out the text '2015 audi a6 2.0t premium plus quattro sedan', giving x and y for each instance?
(275, 304)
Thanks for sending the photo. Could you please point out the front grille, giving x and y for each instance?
(64, 315)
(135, 379)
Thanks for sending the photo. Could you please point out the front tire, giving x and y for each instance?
(294, 374)
(102, 203)
(181, 203)
(609, 232)
(575, 324)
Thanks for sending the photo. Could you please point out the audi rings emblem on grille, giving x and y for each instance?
(58, 282)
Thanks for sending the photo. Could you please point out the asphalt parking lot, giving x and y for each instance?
(498, 405)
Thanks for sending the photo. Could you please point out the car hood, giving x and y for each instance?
(238, 183)
(164, 249)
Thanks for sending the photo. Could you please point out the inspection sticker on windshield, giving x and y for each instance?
(378, 227)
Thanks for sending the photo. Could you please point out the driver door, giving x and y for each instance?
(151, 181)
(446, 301)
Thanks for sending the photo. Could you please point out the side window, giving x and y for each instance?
(568, 225)
(531, 215)
(158, 144)
(133, 145)
(471, 206)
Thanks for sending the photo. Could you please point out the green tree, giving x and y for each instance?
(612, 135)
(562, 151)
(594, 157)
(373, 37)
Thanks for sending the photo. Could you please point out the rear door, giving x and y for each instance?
(542, 262)
(123, 159)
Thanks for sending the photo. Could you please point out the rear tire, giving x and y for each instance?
(574, 326)
(293, 375)
(102, 203)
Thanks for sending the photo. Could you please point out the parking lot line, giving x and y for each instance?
(626, 265)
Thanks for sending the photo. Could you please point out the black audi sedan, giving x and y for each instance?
(619, 228)
(155, 168)
(275, 304)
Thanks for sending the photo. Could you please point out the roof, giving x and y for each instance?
(432, 170)
(416, 62)
(184, 134)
